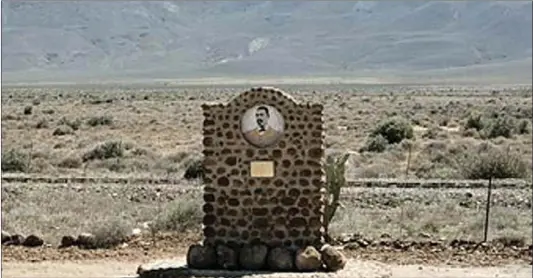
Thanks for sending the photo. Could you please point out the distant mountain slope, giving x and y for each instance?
(61, 40)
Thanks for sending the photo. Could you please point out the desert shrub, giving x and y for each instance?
(35, 102)
(177, 157)
(431, 133)
(14, 161)
(180, 215)
(194, 169)
(474, 121)
(71, 162)
(500, 126)
(109, 149)
(110, 234)
(137, 151)
(48, 111)
(523, 127)
(394, 130)
(488, 161)
(63, 130)
(335, 181)
(10, 117)
(75, 124)
(100, 120)
(436, 160)
(526, 113)
(42, 123)
(376, 143)
(470, 133)
(28, 110)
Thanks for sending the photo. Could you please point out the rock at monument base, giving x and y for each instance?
(86, 240)
(280, 259)
(227, 258)
(333, 259)
(253, 257)
(5, 236)
(33, 241)
(15, 239)
(201, 257)
(308, 259)
(68, 241)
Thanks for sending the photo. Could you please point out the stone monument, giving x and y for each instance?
(264, 186)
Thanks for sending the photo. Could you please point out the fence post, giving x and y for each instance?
(408, 162)
(487, 211)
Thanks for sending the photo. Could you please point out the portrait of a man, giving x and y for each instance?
(266, 127)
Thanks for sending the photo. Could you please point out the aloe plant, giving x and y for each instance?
(335, 180)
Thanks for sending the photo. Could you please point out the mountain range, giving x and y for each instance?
(61, 41)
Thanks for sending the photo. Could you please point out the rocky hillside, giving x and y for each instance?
(65, 40)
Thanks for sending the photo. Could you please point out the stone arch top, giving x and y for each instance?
(266, 95)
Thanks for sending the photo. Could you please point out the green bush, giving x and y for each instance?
(100, 120)
(110, 234)
(474, 121)
(180, 215)
(109, 149)
(42, 123)
(376, 143)
(75, 124)
(500, 126)
(488, 161)
(394, 130)
(14, 161)
(194, 169)
(63, 130)
(523, 127)
(28, 110)
(71, 162)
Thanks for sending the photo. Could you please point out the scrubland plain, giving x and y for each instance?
(443, 132)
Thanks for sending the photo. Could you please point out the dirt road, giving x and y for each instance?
(355, 268)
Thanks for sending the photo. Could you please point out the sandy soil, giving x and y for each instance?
(354, 268)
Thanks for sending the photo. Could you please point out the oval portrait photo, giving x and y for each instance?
(262, 125)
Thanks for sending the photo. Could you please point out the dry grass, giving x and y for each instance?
(158, 126)
(106, 214)
(444, 219)
(110, 215)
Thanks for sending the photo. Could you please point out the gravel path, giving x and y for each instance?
(354, 268)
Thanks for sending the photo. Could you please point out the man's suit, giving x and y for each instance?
(263, 138)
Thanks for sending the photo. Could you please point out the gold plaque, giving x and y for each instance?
(262, 169)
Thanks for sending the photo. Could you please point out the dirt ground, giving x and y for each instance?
(355, 268)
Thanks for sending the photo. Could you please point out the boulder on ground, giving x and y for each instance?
(68, 241)
(280, 259)
(201, 257)
(333, 258)
(33, 241)
(5, 236)
(308, 259)
(227, 257)
(253, 257)
(15, 239)
(86, 240)
(136, 233)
